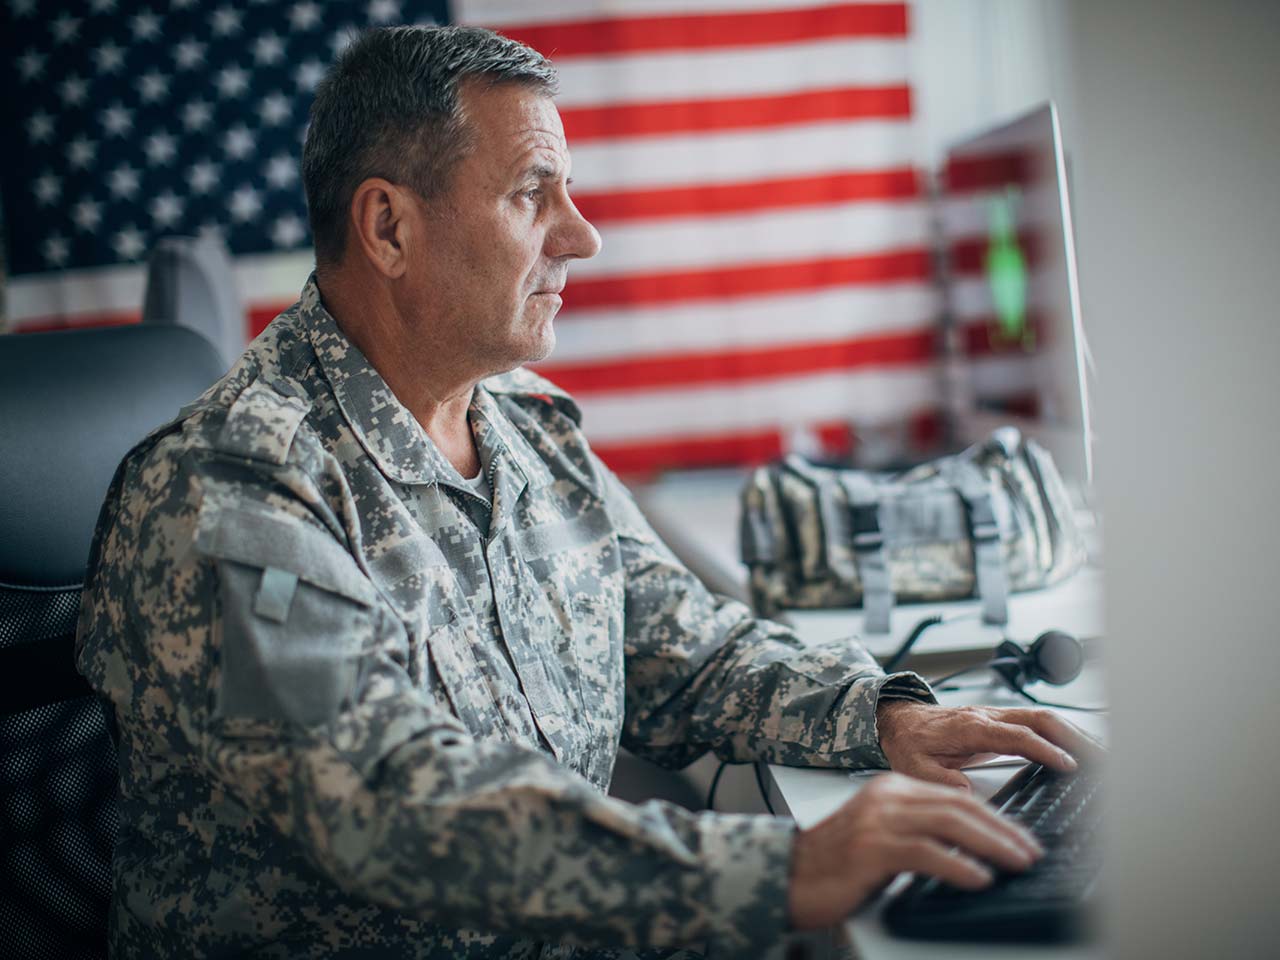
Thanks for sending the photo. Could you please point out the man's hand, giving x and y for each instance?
(895, 823)
(932, 742)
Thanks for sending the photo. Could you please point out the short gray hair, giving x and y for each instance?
(388, 107)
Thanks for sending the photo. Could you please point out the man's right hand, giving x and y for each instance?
(897, 823)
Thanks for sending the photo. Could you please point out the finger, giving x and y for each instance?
(922, 855)
(937, 773)
(992, 839)
(1056, 730)
(1020, 741)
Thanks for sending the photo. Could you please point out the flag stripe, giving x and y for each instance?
(715, 74)
(723, 198)
(748, 279)
(637, 34)
(866, 396)
(740, 155)
(746, 321)
(498, 13)
(583, 124)
(773, 235)
(706, 450)
(725, 366)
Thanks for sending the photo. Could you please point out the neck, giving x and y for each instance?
(423, 373)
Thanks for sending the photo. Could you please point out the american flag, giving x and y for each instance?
(766, 277)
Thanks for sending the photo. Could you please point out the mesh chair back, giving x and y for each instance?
(73, 405)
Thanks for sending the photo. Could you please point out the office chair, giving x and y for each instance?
(71, 405)
(191, 283)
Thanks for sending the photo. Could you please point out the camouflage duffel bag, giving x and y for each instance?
(993, 519)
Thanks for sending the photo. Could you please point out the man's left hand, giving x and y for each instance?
(931, 742)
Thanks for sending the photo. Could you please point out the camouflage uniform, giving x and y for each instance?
(362, 712)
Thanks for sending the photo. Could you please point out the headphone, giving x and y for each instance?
(1055, 657)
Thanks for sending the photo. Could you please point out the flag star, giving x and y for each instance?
(196, 115)
(268, 49)
(123, 181)
(129, 243)
(288, 232)
(304, 16)
(383, 11)
(56, 250)
(245, 204)
(146, 26)
(232, 81)
(309, 74)
(110, 57)
(281, 171)
(40, 127)
(203, 177)
(31, 65)
(87, 215)
(64, 28)
(225, 21)
(116, 119)
(102, 6)
(159, 148)
(48, 188)
(152, 87)
(73, 91)
(80, 152)
(238, 141)
(166, 209)
(274, 109)
(345, 36)
(189, 54)
(23, 8)
(182, 4)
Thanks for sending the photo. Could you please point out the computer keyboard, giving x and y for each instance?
(1048, 902)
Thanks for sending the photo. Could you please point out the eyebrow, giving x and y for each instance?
(543, 171)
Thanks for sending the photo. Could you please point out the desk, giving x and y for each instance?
(697, 515)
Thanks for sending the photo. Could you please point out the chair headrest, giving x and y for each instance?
(73, 404)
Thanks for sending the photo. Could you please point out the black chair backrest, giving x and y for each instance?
(71, 405)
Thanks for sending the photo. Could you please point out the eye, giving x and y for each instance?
(532, 193)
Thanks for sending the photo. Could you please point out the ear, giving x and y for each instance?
(382, 219)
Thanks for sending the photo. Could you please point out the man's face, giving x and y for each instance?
(501, 236)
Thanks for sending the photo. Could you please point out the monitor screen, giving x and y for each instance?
(1013, 315)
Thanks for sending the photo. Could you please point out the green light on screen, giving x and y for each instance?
(1006, 268)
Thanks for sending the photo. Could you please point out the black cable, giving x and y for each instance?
(764, 793)
(900, 654)
(998, 662)
(715, 782)
(1062, 706)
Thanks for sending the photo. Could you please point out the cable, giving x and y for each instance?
(1062, 706)
(715, 782)
(764, 793)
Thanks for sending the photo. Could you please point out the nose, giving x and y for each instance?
(573, 235)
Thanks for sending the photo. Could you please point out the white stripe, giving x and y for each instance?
(970, 213)
(266, 278)
(1006, 376)
(725, 324)
(742, 155)
(720, 74)
(861, 397)
(970, 298)
(497, 12)
(692, 243)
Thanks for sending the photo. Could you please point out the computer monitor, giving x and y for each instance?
(1015, 344)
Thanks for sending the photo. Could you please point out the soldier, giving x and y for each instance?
(373, 619)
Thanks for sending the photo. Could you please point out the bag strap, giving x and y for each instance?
(984, 530)
(868, 551)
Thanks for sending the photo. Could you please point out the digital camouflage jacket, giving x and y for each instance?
(362, 712)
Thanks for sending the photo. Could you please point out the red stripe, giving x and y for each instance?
(688, 116)
(585, 38)
(261, 314)
(722, 198)
(987, 171)
(747, 280)
(80, 321)
(730, 366)
(983, 337)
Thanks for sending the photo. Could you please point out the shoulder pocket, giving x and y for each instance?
(296, 614)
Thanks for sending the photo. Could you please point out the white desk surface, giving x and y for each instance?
(697, 515)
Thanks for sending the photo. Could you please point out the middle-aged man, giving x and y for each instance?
(373, 619)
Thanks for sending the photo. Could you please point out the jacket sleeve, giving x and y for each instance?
(284, 681)
(704, 674)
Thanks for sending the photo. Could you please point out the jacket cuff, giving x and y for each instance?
(749, 861)
(895, 686)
